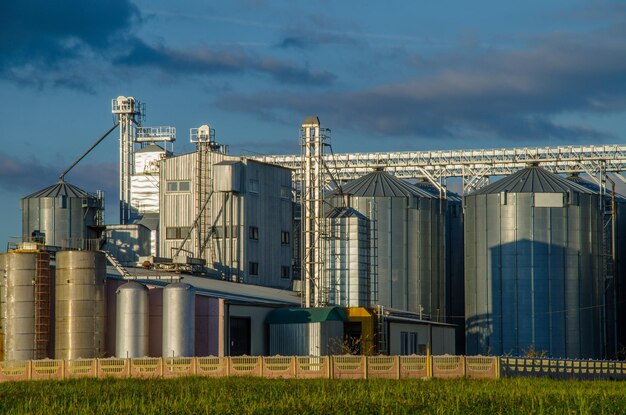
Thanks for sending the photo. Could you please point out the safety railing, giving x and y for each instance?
(311, 367)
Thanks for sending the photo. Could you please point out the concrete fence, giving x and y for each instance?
(286, 367)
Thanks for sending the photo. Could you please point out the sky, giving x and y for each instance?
(383, 76)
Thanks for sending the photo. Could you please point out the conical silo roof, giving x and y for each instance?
(380, 184)
(575, 178)
(60, 188)
(533, 179)
(431, 189)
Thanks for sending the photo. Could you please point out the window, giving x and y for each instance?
(408, 343)
(254, 185)
(284, 238)
(285, 192)
(253, 233)
(176, 232)
(285, 271)
(178, 186)
(253, 268)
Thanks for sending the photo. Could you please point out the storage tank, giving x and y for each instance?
(408, 240)
(178, 320)
(454, 270)
(131, 338)
(533, 269)
(615, 290)
(25, 305)
(66, 214)
(348, 254)
(80, 317)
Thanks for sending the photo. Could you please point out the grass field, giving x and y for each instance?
(249, 395)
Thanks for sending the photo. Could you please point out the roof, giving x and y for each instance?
(60, 188)
(313, 119)
(533, 179)
(305, 315)
(149, 220)
(430, 188)
(593, 186)
(210, 287)
(380, 184)
(152, 148)
(348, 212)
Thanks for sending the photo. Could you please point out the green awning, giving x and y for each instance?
(305, 315)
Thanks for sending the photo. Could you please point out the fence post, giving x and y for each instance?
(464, 360)
(397, 365)
(227, 362)
(364, 359)
(330, 366)
(262, 364)
(62, 369)
(497, 365)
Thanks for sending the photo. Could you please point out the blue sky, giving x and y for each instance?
(395, 75)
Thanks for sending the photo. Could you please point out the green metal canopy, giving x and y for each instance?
(305, 315)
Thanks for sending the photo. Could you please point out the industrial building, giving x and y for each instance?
(217, 254)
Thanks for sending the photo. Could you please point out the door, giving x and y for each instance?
(239, 336)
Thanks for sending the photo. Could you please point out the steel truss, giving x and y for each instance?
(473, 166)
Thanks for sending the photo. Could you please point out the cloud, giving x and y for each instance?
(30, 174)
(304, 39)
(204, 61)
(49, 44)
(495, 93)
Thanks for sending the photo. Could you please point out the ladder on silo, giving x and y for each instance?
(42, 305)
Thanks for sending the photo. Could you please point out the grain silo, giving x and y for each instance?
(348, 258)
(178, 320)
(80, 306)
(24, 305)
(407, 232)
(533, 267)
(131, 337)
(454, 271)
(68, 216)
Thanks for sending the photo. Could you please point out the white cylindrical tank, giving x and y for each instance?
(178, 320)
(131, 338)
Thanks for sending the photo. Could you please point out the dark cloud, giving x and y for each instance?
(507, 94)
(56, 44)
(310, 39)
(31, 174)
(205, 61)
(47, 33)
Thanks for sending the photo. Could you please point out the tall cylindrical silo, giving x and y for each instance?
(348, 257)
(533, 267)
(24, 305)
(131, 339)
(178, 320)
(454, 269)
(80, 309)
(64, 213)
(407, 236)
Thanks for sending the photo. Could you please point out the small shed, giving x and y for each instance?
(306, 331)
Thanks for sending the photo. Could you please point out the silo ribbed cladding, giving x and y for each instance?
(533, 267)
(66, 214)
(80, 306)
(178, 320)
(615, 290)
(454, 257)
(131, 337)
(409, 239)
(24, 305)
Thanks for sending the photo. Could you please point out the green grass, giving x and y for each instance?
(248, 395)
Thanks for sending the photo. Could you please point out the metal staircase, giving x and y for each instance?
(118, 266)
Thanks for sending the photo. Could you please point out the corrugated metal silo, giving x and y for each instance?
(178, 320)
(348, 255)
(408, 234)
(454, 270)
(66, 215)
(131, 339)
(80, 317)
(533, 267)
(24, 305)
